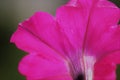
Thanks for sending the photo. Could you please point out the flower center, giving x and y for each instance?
(83, 70)
(79, 77)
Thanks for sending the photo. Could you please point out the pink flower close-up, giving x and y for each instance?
(81, 42)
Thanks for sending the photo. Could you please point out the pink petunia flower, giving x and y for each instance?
(82, 42)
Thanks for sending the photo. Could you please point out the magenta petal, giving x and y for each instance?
(103, 32)
(38, 67)
(26, 41)
(62, 77)
(105, 43)
(105, 69)
(72, 21)
(41, 55)
(44, 27)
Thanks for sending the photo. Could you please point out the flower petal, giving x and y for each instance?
(26, 41)
(105, 69)
(103, 31)
(72, 21)
(62, 77)
(44, 26)
(42, 34)
(38, 67)
(37, 63)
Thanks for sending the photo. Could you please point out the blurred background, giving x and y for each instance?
(11, 13)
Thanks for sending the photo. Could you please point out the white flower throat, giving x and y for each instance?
(84, 69)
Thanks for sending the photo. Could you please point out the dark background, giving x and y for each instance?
(11, 13)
